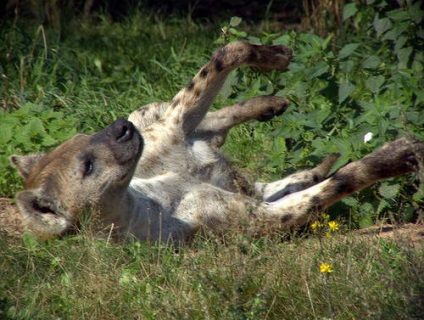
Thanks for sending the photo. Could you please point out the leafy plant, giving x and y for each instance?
(30, 129)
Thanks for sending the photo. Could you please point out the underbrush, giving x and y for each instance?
(349, 93)
(234, 277)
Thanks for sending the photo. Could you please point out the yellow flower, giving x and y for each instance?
(333, 225)
(328, 235)
(325, 216)
(326, 268)
(316, 225)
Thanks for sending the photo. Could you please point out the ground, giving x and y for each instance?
(410, 232)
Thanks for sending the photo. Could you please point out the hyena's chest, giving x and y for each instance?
(193, 158)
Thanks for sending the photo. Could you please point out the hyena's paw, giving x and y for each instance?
(264, 58)
(394, 158)
(271, 107)
(268, 58)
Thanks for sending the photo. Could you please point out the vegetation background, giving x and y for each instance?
(74, 66)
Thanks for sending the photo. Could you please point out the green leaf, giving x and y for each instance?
(371, 62)
(48, 141)
(284, 40)
(398, 15)
(345, 89)
(347, 66)
(98, 63)
(403, 56)
(349, 10)
(417, 15)
(400, 42)
(381, 25)
(350, 201)
(374, 83)
(34, 127)
(347, 50)
(366, 221)
(5, 134)
(382, 205)
(235, 21)
(227, 88)
(317, 70)
(389, 191)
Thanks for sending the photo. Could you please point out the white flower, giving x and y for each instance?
(368, 137)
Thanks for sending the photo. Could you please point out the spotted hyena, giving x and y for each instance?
(159, 176)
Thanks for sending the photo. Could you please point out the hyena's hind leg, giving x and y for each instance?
(190, 105)
(216, 125)
(298, 181)
(393, 159)
(297, 209)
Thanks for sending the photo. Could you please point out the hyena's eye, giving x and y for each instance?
(88, 167)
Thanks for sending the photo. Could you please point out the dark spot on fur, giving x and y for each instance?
(242, 103)
(197, 92)
(218, 65)
(344, 183)
(174, 140)
(315, 200)
(204, 73)
(315, 178)
(190, 85)
(253, 56)
(153, 138)
(287, 218)
(267, 115)
(316, 204)
(175, 103)
(165, 152)
(344, 188)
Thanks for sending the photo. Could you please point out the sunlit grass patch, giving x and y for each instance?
(84, 277)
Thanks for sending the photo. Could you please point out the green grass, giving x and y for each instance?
(55, 84)
(231, 278)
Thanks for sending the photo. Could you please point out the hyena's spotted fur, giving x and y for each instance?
(171, 180)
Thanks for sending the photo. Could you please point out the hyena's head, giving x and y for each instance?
(84, 173)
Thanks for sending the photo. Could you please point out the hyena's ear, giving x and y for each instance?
(41, 214)
(32, 203)
(24, 164)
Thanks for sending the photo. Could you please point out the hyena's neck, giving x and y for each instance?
(148, 207)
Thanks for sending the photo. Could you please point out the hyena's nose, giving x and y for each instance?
(122, 130)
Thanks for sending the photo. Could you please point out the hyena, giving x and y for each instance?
(159, 176)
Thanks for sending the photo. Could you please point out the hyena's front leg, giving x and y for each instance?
(216, 125)
(190, 105)
(148, 114)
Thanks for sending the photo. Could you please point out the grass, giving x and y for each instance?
(78, 80)
(231, 278)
